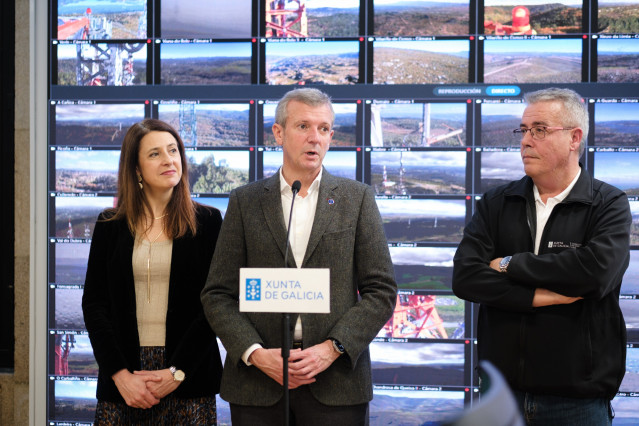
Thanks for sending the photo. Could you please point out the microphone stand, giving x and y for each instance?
(286, 317)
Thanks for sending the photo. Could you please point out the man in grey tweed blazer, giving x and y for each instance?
(336, 225)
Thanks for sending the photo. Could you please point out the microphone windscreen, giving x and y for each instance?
(297, 185)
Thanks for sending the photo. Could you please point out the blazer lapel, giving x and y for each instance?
(271, 204)
(323, 212)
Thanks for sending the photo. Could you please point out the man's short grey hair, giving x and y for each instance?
(576, 112)
(308, 96)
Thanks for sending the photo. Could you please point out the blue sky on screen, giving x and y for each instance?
(205, 50)
(83, 202)
(609, 2)
(574, 3)
(75, 388)
(98, 111)
(422, 208)
(211, 18)
(205, 107)
(305, 48)
(100, 6)
(445, 111)
(492, 165)
(426, 256)
(341, 4)
(503, 109)
(618, 168)
(334, 158)
(72, 251)
(424, 158)
(418, 353)
(617, 46)
(106, 160)
(547, 47)
(425, 2)
(436, 46)
(344, 108)
(616, 112)
(421, 394)
(630, 284)
(220, 203)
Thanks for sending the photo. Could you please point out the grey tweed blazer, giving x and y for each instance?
(347, 237)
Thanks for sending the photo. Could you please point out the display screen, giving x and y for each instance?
(426, 97)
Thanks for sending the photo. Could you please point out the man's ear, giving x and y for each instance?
(577, 134)
(278, 132)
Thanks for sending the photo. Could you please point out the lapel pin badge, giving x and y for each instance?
(331, 201)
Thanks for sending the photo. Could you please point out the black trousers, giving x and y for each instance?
(305, 410)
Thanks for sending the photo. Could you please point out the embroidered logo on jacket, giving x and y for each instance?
(561, 244)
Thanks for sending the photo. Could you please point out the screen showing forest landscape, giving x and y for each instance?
(426, 96)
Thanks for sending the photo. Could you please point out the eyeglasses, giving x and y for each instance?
(537, 132)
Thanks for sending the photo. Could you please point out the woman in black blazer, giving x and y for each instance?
(158, 358)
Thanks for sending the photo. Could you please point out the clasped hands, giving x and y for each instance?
(144, 389)
(303, 365)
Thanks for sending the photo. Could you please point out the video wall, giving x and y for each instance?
(426, 95)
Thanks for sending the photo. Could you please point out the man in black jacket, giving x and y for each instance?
(545, 256)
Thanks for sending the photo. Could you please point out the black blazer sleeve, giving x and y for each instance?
(97, 303)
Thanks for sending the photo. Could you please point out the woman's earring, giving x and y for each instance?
(140, 181)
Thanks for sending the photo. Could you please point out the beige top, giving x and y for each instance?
(151, 273)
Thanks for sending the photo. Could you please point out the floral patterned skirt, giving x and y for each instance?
(170, 410)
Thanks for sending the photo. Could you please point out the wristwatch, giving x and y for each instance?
(503, 264)
(339, 348)
(178, 375)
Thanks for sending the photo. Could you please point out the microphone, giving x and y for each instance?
(286, 317)
(295, 188)
(297, 185)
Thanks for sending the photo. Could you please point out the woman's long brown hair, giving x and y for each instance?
(132, 201)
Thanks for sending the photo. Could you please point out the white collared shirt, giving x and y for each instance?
(544, 210)
(303, 217)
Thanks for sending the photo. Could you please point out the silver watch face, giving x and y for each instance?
(178, 376)
(503, 264)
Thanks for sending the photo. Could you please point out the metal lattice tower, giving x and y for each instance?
(188, 124)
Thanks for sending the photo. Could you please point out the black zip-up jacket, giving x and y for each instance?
(575, 350)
